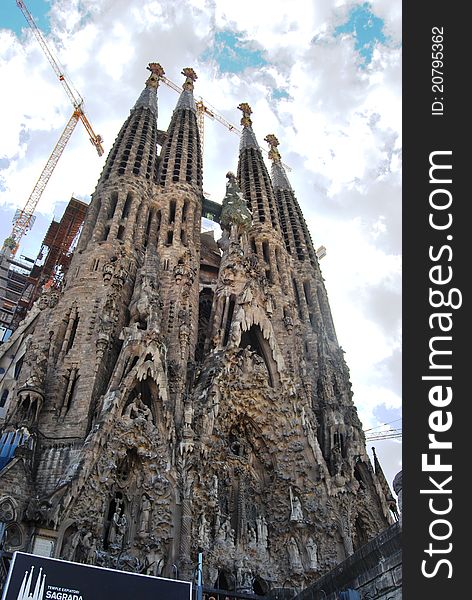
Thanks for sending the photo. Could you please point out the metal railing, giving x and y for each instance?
(216, 594)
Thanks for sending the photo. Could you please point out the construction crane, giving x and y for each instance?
(204, 109)
(391, 434)
(386, 434)
(23, 221)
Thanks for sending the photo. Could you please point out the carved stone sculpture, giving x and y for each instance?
(294, 555)
(312, 551)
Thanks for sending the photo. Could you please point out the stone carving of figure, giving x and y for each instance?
(213, 493)
(108, 270)
(252, 536)
(70, 546)
(145, 516)
(188, 414)
(43, 301)
(118, 525)
(138, 410)
(120, 276)
(53, 298)
(121, 525)
(235, 333)
(288, 321)
(269, 305)
(230, 536)
(262, 532)
(225, 533)
(203, 532)
(297, 511)
(184, 332)
(153, 562)
(345, 531)
(245, 580)
(87, 548)
(337, 459)
(259, 367)
(311, 550)
(294, 554)
(224, 241)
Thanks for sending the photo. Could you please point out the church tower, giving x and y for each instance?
(179, 396)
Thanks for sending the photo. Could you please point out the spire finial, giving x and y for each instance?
(273, 142)
(156, 73)
(247, 112)
(191, 77)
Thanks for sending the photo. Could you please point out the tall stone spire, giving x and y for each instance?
(310, 293)
(131, 164)
(253, 177)
(181, 157)
(132, 153)
(294, 229)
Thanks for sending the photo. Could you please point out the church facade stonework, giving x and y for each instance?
(180, 394)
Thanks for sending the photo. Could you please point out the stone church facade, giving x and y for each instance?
(181, 394)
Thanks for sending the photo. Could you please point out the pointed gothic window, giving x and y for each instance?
(158, 224)
(127, 206)
(361, 537)
(112, 205)
(184, 211)
(204, 313)
(229, 319)
(297, 298)
(3, 398)
(148, 227)
(73, 332)
(18, 365)
(172, 209)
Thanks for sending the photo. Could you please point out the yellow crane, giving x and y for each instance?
(204, 109)
(23, 221)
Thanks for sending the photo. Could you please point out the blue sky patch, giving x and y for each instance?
(366, 29)
(12, 18)
(279, 93)
(233, 53)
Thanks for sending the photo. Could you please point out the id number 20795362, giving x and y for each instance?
(437, 70)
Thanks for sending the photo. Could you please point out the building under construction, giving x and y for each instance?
(23, 278)
(15, 274)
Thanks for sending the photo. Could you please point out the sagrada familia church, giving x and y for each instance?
(180, 394)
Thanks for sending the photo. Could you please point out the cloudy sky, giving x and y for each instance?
(323, 75)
